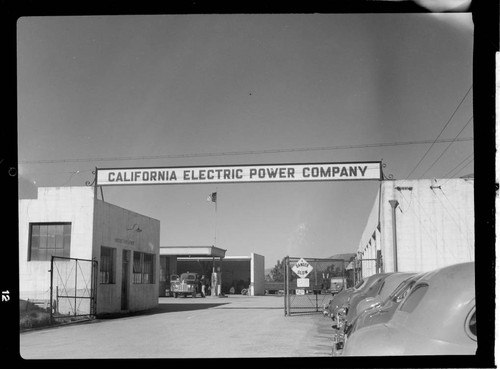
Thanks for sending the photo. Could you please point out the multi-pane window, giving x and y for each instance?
(107, 265)
(147, 272)
(49, 239)
(137, 267)
(143, 267)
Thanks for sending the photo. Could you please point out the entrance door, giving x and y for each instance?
(125, 278)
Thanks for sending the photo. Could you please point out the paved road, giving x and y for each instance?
(233, 327)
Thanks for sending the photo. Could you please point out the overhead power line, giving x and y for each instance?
(231, 153)
(471, 157)
(447, 147)
(442, 130)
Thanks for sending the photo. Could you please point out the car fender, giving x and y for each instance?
(376, 340)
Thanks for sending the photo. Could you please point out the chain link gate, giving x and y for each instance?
(72, 288)
(312, 298)
(367, 267)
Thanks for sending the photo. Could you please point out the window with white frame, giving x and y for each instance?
(49, 239)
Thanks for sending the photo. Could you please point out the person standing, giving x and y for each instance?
(203, 283)
(215, 284)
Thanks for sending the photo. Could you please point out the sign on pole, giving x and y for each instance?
(303, 282)
(302, 268)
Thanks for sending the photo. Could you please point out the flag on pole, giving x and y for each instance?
(212, 197)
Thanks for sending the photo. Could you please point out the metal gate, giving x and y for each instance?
(366, 267)
(310, 294)
(72, 288)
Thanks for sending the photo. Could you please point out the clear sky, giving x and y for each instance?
(184, 90)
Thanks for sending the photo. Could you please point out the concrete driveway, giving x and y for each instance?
(232, 327)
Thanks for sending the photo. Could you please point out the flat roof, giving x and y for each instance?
(226, 258)
(190, 251)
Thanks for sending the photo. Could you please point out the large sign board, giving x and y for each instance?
(241, 173)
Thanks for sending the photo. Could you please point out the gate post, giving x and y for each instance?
(94, 271)
(51, 287)
(285, 285)
(76, 281)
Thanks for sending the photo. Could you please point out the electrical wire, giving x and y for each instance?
(71, 177)
(465, 166)
(452, 170)
(447, 147)
(467, 232)
(253, 152)
(446, 125)
(431, 233)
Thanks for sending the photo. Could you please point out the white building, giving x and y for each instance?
(432, 221)
(71, 223)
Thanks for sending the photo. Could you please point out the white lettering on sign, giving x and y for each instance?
(244, 173)
(302, 268)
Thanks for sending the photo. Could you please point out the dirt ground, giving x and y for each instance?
(233, 327)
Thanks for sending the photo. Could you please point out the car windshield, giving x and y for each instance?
(187, 277)
(360, 283)
(379, 292)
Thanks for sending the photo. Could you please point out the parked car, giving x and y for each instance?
(437, 317)
(337, 284)
(383, 311)
(374, 295)
(186, 284)
(345, 314)
(341, 300)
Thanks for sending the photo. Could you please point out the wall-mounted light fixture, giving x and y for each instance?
(135, 227)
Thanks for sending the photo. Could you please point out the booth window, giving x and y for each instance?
(49, 239)
(143, 267)
(107, 265)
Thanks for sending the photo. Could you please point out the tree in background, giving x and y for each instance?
(276, 274)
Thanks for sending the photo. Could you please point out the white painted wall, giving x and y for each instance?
(94, 223)
(114, 227)
(435, 226)
(257, 275)
(54, 204)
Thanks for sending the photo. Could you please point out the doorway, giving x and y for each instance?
(125, 279)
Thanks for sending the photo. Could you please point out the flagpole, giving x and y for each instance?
(216, 198)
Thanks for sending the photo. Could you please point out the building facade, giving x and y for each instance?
(237, 272)
(80, 230)
(418, 226)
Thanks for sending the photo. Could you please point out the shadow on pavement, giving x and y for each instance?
(252, 307)
(163, 308)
